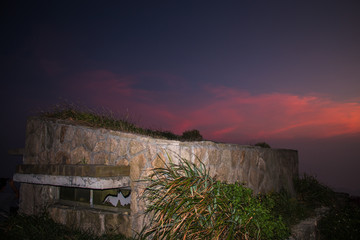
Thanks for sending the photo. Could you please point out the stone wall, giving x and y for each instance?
(307, 229)
(50, 142)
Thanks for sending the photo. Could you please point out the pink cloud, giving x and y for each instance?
(223, 131)
(151, 108)
(221, 113)
(231, 115)
(276, 115)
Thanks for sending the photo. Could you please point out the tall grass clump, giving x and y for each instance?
(288, 206)
(83, 115)
(185, 202)
(102, 118)
(312, 193)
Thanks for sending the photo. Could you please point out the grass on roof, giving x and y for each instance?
(106, 119)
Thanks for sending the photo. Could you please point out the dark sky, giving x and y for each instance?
(284, 72)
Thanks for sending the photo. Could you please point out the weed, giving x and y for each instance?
(184, 202)
(312, 193)
(106, 119)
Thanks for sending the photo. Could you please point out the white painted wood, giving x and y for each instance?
(74, 181)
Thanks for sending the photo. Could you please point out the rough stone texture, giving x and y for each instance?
(61, 142)
(307, 229)
(96, 221)
(34, 199)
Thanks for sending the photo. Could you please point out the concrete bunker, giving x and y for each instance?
(69, 170)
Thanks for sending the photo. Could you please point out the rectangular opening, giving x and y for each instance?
(116, 199)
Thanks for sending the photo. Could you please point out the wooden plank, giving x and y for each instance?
(82, 170)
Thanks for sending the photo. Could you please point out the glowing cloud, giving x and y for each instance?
(234, 115)
(221, 113)
(276, 115)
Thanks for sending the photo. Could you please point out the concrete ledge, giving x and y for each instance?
(74, 181)
(83, 170)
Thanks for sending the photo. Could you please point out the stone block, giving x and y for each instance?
(26, 203)
(185, 152)
(69, 135)
(89, 220)
(62, 133)
(90, 140)
(32, 146)
(100, 158)
(171, 152)
(114, 144)
(158, 162)
(49, 136)
(199, 154)
(214, 156)
(254, 179)
(78, 138)
(135, 147)
(261, 164)
(79, 155)
(235, 158)
(117, 223)
(137, 165)
(151, 151)
(122, 162)
(101, 147)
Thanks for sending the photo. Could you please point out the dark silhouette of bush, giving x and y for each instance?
(191, 135)
(263, 145)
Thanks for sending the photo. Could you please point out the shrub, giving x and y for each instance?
(312, 193)
(184, 202)
(192, 135)
(342, 222)
(263, 145)
(287, 206)
(343, 219)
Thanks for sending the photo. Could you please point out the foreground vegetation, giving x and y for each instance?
(186, 203)
(193, 205)
(43, 228)
(341, 222)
